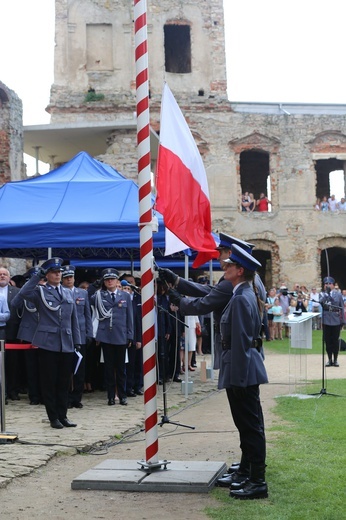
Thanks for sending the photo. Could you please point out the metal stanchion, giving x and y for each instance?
(2, 385)
(4, 437)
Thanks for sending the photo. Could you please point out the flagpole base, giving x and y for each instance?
(149, 467)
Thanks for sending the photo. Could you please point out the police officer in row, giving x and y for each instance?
(332, 319)
(56, 336)
(241, 372)
(81, 299)
(28, 315)
(115, 332)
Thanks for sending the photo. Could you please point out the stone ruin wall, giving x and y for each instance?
(11, 136)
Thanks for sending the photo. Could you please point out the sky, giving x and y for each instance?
(276, 52)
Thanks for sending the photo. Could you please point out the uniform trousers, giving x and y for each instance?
(55, 376)
(331, 335)
(115, 371)
(33, 374)
(76, 392)
(130, 368)
(248, 418)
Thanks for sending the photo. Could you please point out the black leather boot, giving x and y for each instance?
(255, 487)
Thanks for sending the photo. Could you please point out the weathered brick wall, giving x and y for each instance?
(72, 77)
(11, 135)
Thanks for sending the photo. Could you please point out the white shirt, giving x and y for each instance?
(333, 204)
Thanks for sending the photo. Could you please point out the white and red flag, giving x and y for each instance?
(181, 184)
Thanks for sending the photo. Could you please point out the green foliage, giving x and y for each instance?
(306, 463)
(92, 96)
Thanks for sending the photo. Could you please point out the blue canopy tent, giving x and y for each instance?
(85, 211)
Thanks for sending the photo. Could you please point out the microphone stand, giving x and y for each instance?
(323, 390)
(164, 418)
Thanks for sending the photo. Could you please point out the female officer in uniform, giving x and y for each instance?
(241, 372)
(57, 335)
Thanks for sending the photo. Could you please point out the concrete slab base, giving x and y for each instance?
(172, 476)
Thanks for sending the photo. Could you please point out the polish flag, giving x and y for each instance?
(181, 184)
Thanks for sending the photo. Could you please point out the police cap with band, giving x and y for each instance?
(243, 258)
(226, 242)
(68, 270)
(52, 264)
(329, 279)
(110, 273)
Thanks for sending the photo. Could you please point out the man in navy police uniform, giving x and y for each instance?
(81, 299)
(208, 298)
(332, 319)
(115, 332)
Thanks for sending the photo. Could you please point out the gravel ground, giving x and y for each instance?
(46, 490)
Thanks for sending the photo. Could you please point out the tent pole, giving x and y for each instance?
(146, 232)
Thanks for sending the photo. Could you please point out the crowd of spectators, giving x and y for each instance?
(249, 203)
(330, 204)
(282, 301)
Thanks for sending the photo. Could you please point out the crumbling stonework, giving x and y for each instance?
(11, 136)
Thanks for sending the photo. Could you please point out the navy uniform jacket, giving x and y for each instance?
(117, 329)
(210, 298)
(29, 319)
(207, 298)
(137, 317)
(57, 330)
(241, 365)
(333, 308)
(81, 299)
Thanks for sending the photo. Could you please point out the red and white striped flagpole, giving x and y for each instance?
(146, 231)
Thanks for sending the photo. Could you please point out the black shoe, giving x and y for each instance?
(233, 467)
(233, 478)
(139, 392)
(177, 379)
(66, 422)
(77, 405)
(56, 424)
(131, 394)
(111, 402)
(250, 491)
(329, 363)
(336, 364)
(123, 401)
(34, 402)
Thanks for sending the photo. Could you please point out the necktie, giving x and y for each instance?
(113, 297)
(58, 292)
